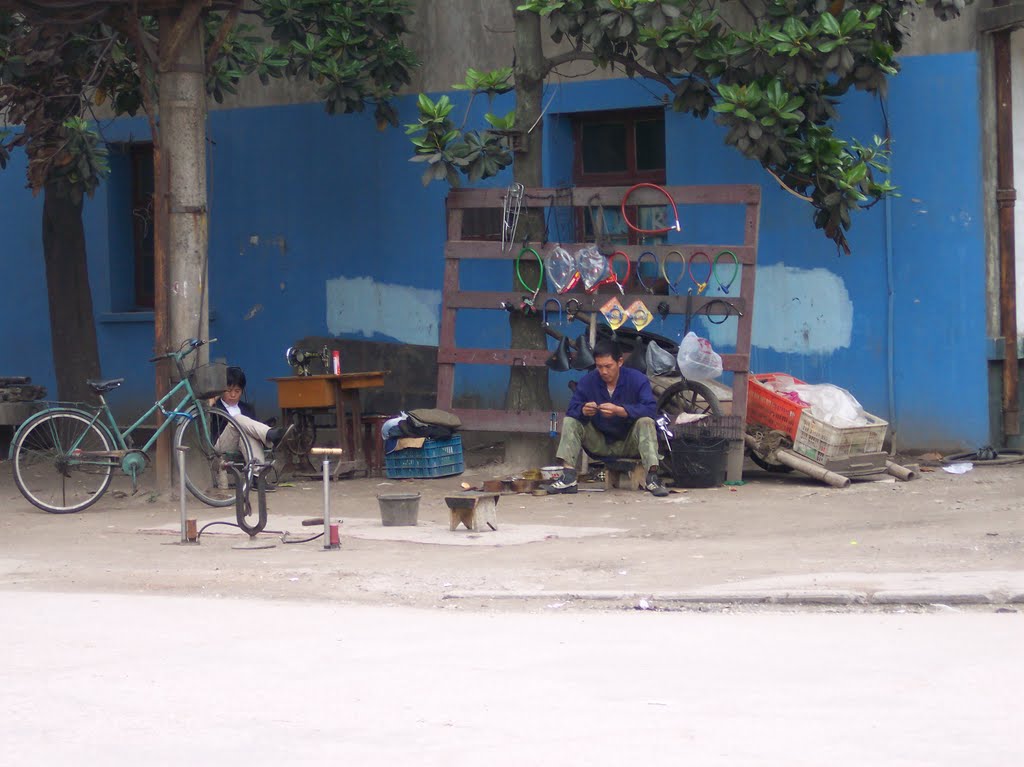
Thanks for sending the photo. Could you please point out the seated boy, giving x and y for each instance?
(257, 434)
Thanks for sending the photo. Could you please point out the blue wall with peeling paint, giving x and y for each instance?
(320, 226)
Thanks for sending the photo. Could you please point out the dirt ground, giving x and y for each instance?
(942, 534)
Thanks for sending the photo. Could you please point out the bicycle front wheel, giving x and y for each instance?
(212, 437)
(58, 462)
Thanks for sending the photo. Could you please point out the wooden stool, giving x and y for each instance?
(373, 444)
(473, 510)
(614, 469)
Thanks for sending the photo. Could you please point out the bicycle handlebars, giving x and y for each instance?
(191, 343)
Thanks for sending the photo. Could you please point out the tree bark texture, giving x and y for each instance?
(72, 326)
(528, 387)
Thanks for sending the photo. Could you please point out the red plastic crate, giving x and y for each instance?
(766, 408)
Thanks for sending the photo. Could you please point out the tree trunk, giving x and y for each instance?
(528, 387)
(76, 355)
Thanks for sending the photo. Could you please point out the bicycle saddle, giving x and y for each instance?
(99, 387)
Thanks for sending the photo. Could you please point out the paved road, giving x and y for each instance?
(147, 680)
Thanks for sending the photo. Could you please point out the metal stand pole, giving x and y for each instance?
(181, 491)
(327, 503)
(330, 532)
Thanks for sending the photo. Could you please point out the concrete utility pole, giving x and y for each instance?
(181, 284)
(182, 110)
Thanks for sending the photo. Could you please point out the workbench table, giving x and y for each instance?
(337, 393)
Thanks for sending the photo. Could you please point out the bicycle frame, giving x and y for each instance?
(104, 418)
(171, 416)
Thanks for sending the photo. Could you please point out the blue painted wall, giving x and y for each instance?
(320, 226)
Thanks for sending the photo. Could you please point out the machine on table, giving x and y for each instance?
(302, 398)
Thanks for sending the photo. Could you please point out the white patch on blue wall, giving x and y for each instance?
(359, 305)
(797, 311)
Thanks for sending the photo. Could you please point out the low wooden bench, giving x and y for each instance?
(473, 510)
(615, 469)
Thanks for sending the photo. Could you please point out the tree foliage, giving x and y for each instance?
(54, 74)
(771, 72)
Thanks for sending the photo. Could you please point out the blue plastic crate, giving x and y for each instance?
(437, 458)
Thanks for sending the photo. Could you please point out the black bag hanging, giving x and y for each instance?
(559, 359)
(637, 359)
(584, 358)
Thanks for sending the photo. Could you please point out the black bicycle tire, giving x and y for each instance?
(16, 452)
(209, 450)
(670, 393)
(703, 390)
(627, 337)
(1013, 456)
(775, 468)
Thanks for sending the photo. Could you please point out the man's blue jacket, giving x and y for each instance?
(632, 391)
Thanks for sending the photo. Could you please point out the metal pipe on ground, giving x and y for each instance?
(788, 458)
(901, 472)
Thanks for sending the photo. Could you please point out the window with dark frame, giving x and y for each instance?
(620, 148)
(141, 157)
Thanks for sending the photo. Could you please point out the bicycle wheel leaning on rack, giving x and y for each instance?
(212, 437)
(685, 396)
(59, 461)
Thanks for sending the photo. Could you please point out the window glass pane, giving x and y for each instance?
(604, 148)
(142, 220)
(482, 224)
(650, 145)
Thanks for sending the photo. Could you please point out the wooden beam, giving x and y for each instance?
(225, 29)
(734, 363)
(492, 299)
(479, 249)
(170, 46)
(581, 196)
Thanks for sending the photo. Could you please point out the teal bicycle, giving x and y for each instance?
(65, 456)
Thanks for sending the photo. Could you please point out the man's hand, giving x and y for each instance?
(590, 409)
(611, 409)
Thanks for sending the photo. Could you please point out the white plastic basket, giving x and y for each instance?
(822, 442)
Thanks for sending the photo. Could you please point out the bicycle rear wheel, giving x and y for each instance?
(212, 437)
(689, 397)
(52, 464)
(684, 396)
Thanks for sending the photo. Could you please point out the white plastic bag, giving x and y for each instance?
(592, 266)
(561, 269)
(832, 404)
(697, 360)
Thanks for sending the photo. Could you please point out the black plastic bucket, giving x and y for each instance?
(699, 461)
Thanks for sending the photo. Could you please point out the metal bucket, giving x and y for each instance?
(399, 509)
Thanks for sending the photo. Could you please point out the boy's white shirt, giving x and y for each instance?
(233, 410)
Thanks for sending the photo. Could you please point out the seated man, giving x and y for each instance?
(257, 434)
(611, 414)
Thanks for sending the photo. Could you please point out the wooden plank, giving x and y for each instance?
(579, 197)
(734, 363)
(183, 26)
(478, 249)
(493, 299)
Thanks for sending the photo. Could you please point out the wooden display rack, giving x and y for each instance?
(455, 298)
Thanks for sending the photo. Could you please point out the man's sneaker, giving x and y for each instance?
(653, 485)
(564, 484)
